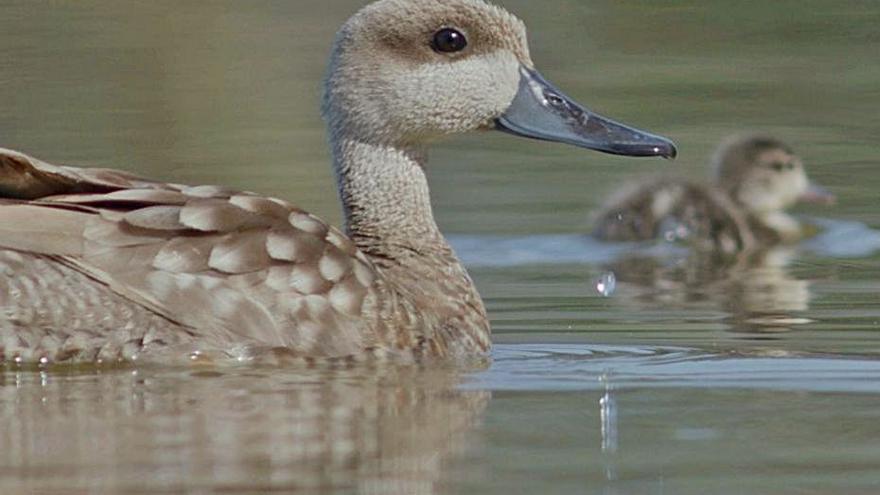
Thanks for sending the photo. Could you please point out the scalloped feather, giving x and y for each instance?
(224, 266)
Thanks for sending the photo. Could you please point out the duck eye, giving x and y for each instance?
(449, 40)
(779, 166)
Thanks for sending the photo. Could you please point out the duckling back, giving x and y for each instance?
(674, 210)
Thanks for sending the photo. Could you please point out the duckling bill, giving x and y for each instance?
(756, 179)
(104, 265)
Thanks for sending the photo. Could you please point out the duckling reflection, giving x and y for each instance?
(755, 289)
(756, 178)
(387, 430)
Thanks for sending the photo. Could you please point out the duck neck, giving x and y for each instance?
(388, 215)
(386, 201)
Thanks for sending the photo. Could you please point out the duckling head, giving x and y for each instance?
(764, 175)
(406, 72)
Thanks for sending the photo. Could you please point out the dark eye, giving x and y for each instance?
(780, 166)
(449, 40)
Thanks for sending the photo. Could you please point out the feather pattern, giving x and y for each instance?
(206, 264)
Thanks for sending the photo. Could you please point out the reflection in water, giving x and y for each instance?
(608, 416)
(379, 431)
(755, 288)
(643, 421)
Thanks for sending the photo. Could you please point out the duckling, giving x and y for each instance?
(102, 265)
(756, 178)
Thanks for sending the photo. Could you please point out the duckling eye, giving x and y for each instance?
(449, 40)
(780, 166)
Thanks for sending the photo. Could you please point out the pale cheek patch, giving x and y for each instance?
(446, 98)
(755, 195)
(788, 188)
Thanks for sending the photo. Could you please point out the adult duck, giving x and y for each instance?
(103, 265)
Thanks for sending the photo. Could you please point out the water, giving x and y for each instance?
(689, 377)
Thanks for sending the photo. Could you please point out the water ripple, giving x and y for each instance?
(596, 367)
(837, 239)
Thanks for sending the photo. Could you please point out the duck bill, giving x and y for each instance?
(540, 111)
(818, 195)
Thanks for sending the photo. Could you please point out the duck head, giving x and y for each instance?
(406, 72)
(763, 174)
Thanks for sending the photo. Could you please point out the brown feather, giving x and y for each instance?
(287, 244)
(306, 279)
(42, 230)
(334, 264)
(260, 206)
(208, 192)
(23, 177)
(307, 223)
(133, 197)
(214, 215)
(241, 252)
(185, 254)
(117, 234)
(156, 218)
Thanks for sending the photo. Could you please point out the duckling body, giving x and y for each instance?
(757, 178)
(101, 264)
(674, 209)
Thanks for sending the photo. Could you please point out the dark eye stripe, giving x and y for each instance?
(449, 40)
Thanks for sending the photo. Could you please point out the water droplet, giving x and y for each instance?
(607, 284)
(674, 230)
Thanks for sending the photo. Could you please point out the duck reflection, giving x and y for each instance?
(383, 431)
(756, 289)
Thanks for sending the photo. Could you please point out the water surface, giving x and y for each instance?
(753, 377)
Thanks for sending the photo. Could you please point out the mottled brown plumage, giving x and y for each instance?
(147, 264)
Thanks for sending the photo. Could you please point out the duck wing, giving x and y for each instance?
(235, 266)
